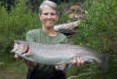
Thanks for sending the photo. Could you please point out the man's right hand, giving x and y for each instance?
(28, 63)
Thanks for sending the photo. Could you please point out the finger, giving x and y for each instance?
(60, 67)
(16, 56)
(74, 61)
(56, 67)
(78, 61)
(81, 61)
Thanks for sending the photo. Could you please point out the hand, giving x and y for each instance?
(29, 63)
(16, 56)
(24, 49)
(77, 61)
(60, 67)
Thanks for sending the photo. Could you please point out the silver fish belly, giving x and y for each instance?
(53, 54)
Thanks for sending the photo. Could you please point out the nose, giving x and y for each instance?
(49, 16)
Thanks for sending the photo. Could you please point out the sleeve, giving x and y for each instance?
(65, 40)
(30, 36)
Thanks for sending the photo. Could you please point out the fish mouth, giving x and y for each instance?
(20, 47)
(15, 47)
(13, 50)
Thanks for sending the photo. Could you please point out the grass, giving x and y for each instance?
(13, 70)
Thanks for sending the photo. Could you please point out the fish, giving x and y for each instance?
(55, 54)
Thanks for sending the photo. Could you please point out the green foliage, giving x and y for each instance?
(100, 27)
(99, 31)
(14, 24)
(13, 70)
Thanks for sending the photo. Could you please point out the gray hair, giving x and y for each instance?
(48, 3)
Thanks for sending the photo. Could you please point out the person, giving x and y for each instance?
(48, 16)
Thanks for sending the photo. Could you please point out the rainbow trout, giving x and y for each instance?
(54, 54)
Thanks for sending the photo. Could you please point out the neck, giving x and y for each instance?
(49, 31)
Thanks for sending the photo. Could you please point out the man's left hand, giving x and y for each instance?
(75, 61)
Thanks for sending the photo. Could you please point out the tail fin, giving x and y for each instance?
(105, 60)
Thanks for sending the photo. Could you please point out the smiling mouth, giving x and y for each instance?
(50, 22)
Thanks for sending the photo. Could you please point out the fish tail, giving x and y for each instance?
(104, 64)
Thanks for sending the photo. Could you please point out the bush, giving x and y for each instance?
(14, 24)
(99, 31)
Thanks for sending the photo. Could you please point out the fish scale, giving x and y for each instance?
(53, 54)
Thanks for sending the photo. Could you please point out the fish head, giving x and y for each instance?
(19, 47)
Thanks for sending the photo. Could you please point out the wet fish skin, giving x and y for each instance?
(53, 54)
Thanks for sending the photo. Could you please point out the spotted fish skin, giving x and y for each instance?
(53, 54)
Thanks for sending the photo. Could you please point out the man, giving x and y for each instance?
(48, 16)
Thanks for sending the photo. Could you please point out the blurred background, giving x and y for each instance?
(97, 29)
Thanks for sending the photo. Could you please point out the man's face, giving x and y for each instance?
(48, 17)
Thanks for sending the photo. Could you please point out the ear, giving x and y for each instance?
(40, 17)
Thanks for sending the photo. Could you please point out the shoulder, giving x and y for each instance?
(63, 37)
(32, 34)
(33, 31)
